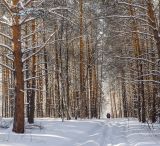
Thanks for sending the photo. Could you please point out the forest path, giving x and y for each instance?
(94, 132)
(120, 132)
(111, 132)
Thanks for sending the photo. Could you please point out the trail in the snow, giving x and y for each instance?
(104, 132)
(116, 135)
(109, 133)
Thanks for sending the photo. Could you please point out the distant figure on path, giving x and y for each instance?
(108, 115)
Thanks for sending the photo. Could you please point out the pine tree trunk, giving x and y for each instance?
(124, 97)
(18, 125)
(137, 52)
(32, 97)
(57, 77)
(67, 76)
(82, 67)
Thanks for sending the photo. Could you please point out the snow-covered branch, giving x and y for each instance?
(31, 34)
(5, 35)
(133, 5)
(40, 47)
(128, 80)
(5, 23)
(6, 66)
(156, 71)
(8, 57)
(136, 58)
(128, 31)
(7, 6)
(27, 3)
(36, 77)
(7, 47)
(126, 17)
(24, 19)
(58, 8)
(63, 17)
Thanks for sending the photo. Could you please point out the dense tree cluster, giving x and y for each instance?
(55, 55)
(49, 58)
(134, 51)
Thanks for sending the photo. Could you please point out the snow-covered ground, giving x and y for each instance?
(113, 132)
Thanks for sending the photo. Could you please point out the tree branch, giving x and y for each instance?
(40, 47)
(7, 47)
(7, 66)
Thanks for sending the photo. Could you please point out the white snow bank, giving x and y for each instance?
(113, 132)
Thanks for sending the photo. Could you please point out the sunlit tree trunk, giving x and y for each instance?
(18, 125)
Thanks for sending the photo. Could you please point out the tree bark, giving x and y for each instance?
(82, 82)
(18, 125)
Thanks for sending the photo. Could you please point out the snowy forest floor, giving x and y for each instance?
(104, 132)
